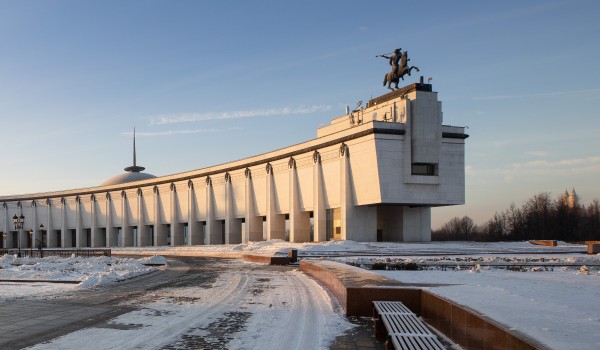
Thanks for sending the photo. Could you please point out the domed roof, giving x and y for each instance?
(133, 173)
(127, 177)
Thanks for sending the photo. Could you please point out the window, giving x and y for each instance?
(424, 169)
(333, 224)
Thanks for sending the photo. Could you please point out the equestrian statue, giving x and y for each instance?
(399, 62)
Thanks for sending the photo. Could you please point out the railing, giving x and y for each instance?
(65, 253)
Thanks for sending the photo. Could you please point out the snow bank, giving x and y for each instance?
(91, 271)
(153, 260)
(330, 248)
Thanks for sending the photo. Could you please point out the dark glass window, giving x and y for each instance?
(424, 169)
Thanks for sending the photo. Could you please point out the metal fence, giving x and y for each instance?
(65, 253)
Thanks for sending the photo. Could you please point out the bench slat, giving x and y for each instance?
(405, 329)
(410, 342)
(383, 307)
(404, 324)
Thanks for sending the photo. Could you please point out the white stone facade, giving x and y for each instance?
(371, 175)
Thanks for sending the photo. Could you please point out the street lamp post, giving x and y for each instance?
(4, 240)
(19, 222)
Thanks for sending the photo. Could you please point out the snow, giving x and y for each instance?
(153, 260)
(267, 316)
(551, 294)
(552, 298)
(344, 248)
(88, 271)
(557, 308)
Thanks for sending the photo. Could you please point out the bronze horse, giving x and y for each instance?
(390, 77)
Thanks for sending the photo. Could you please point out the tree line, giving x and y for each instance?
(539, 218)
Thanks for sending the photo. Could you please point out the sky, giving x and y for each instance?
(208, 82)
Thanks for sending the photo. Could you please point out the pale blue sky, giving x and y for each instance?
(207, 82)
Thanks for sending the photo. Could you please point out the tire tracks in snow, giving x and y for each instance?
(239, 306)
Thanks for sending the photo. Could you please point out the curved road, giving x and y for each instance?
(204, 303)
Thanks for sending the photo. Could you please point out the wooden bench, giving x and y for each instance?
(403, 329)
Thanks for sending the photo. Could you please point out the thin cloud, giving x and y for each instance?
(575, 166)
(559, 163)
(200, 117)
(177, 132)
(569, 93)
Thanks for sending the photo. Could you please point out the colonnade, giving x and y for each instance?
(221, 208)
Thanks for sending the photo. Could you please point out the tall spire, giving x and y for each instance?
(134, 168)
(134, 146)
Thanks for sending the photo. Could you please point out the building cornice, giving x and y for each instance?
(372, 128)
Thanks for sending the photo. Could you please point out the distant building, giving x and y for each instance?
(571, 200)
(371, 175)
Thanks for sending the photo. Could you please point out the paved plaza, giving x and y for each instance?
(28, 322)
(56, 323)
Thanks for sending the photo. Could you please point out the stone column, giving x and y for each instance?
(8, 241)
(176, 227)
(213, 229)
(160, 235)
(229, 218)
(95, 234)
(195, 234)
(358, 223)
(346, 205)
(50, 234)
(299, 220)
(126, 230)
(275, 222)
(416, 224)
(65, 237)
(233, 226)
(111, 233)
(252, 222)
(143, 238)
(319, 215)
(35, 226)
(80, 236)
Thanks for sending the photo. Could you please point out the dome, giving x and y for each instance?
(133, 172)
(127, 177)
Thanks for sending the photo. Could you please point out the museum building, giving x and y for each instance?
(371, 175)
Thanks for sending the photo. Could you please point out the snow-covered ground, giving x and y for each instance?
(345, 248)
(245, 308)
(89, 272)
(557, 308)
(551, 297)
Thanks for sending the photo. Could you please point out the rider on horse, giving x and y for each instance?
(394, 61)
(399, 62)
